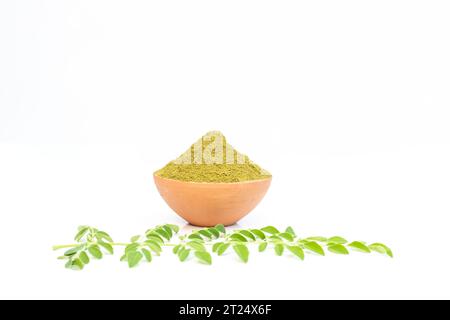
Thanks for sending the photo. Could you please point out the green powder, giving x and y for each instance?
(212, 159)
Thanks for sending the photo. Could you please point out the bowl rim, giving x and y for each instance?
(211, 183)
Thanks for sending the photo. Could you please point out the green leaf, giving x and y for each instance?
(174, 227)
(262, 247)
(168, 230)
(287, 236)
(176, 249)
(270, 229)
(297, 251)
(203, 256)
(338, 249)
(220, 228)
(183, 254)
(131, 247)
(279, 249)
(259, 234)
(381, 248)
(73, 251)
(84, 257)
(275, 238)
(221, 250)
(77, 264)
(195, 236)
(290, 230)
(314, 247)
(242, 251)
(124, 258)
(81, 233)
(337, 240)
(319, 239)
(156, 238)
(94, 250)
(248, 234)
(162, 233)
(154, 246)
(216, 246)
(205, 233)
(101, 235)
(358, 245)
(109, 248)
(196, 246)
(147, 254)
(238, 237)
(135, 238)
(214, 232)
(134, 257)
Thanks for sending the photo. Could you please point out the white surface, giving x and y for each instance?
(347, 103)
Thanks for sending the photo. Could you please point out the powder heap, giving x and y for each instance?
(212, 159)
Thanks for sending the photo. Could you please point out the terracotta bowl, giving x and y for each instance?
(208, 204)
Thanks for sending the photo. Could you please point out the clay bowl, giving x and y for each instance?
(208, 204)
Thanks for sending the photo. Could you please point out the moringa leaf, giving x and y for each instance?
(287, 236)
(76, 264)
(174, 227)
(216, 246)
(221, 250)
(162, 233)
(183, 254)
(168, 230)
(176, 248)
(205, 233)
(154, 246)
(81, 233)
(155, 237)
(220, 228)
(275, 238)
(196, 246)
(131, 247)
(101, 235)
(262, 247)
(147, 254)
(319, 239)
(94, 250)
(337, 240)
(135, 238)
(279, 249)
(84, 257)
(314, 247)
(195, 236)
(297, 251)
(338, 249)
(238, 237)
(109, 248)
(242, 252)
(133, 258)
(258, 233)
(204, 257)
(73, 251)
(290, 230)
(248, 234)
(270, 229)
(381, 248)
(214, 232)
(359, 246)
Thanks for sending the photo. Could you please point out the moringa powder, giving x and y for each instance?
(212, 159)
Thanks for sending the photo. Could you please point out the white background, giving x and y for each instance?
(345, 102)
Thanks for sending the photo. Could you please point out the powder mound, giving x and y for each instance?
(212, 159)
